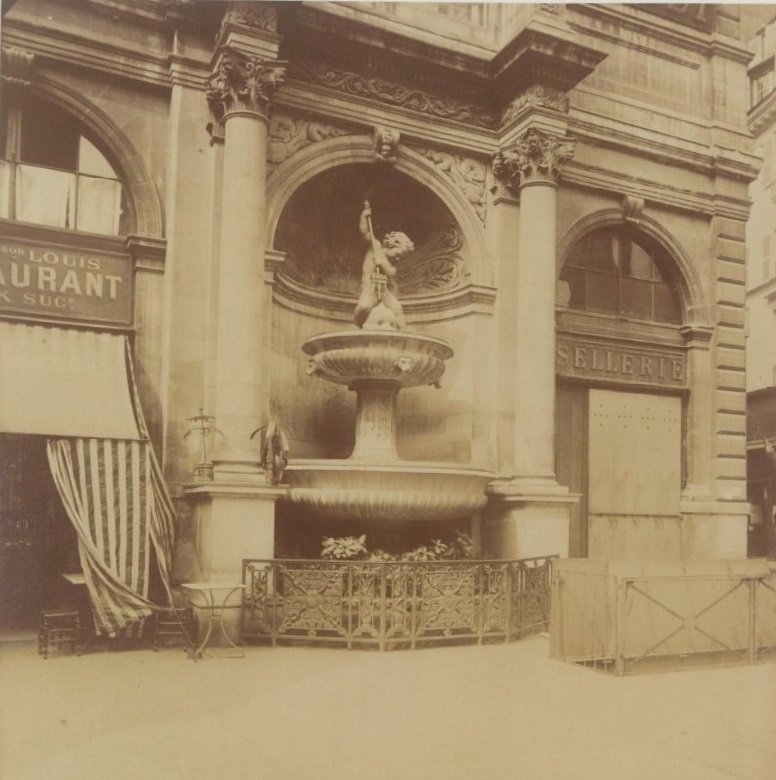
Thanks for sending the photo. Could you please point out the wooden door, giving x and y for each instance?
(635, 453)
(571, 460)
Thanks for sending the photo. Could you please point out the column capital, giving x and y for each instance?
(242, 83)
(696, 335)
(535, 158)
(17, 66)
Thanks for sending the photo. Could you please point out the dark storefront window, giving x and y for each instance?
(615, 272)
(52, 174)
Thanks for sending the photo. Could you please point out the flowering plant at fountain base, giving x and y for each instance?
(459, 546)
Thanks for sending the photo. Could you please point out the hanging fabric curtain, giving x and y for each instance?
(104, 488)
(115, 496)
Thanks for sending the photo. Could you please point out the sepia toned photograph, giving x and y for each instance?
(387, 390)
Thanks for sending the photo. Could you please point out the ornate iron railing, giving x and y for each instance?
(394, 604)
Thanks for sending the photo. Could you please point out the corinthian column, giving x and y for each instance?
(532, 504)
(239, 92)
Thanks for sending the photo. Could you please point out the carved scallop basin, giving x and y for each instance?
(374, 485)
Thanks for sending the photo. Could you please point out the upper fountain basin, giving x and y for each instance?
(407, 359)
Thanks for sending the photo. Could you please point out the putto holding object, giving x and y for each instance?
(378, 307)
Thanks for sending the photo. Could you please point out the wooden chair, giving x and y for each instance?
(59, 628)
(173, 623)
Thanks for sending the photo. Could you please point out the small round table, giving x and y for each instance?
(208, 591)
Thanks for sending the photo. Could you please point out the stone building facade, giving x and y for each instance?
(761, 296)
(574, 178)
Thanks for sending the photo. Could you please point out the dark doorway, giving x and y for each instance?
(37, 542)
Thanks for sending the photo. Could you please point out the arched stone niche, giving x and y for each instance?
(314, 201)
(318, 231)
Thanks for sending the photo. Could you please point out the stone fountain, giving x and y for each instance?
(376, 361)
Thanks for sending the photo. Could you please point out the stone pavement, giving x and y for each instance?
(501, 711)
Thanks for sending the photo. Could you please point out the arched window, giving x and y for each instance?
(617, 271)
(52, 173)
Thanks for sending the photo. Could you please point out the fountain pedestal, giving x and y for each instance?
(374, 485)
(375, 420)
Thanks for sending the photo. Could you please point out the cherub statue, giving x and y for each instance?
(378, 307)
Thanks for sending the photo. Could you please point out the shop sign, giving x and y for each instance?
(65, 282)
(614, 363)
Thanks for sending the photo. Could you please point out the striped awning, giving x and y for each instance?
(64, 382)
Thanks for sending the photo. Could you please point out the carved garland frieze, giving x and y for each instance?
(536, 96)
(536, 156)
(391, 93)
(288, 135)
(242, 83)
(467, 174)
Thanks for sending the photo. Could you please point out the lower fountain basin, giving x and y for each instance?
(399, 493)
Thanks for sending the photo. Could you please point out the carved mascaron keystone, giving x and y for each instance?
(242, 83)
(536, 157)
(386, 141)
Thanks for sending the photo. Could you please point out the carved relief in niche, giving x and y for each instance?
(287, 135)
(318, 231)
(467, 174)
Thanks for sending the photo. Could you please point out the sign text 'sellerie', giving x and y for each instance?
(598, 362)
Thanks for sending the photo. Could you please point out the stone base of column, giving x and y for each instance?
(237, 465)
(232, 521)
(527, 519)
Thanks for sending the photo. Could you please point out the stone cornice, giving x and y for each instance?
(109, 59)
(666, 31)
(669, 196)
(535, 56)
(711, 161)
(188, 72)
(763, 115)
(335, 21)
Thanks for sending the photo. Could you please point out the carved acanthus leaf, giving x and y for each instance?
(467, 174)
(288, 135)
(536, 156)
(391, 93)
(259, 16)
(436, 266)
(536, 96)
(242, 83)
